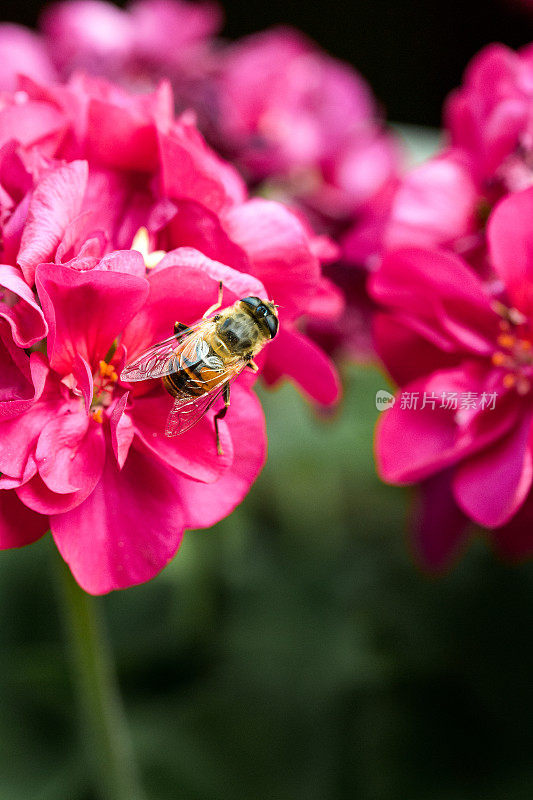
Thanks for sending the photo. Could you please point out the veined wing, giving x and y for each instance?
(188, 410)
(160, 359)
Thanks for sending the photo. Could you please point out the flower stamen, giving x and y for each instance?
(141, 243)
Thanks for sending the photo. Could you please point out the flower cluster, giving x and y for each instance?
(300, 126)
(455, 283)
(85, 166)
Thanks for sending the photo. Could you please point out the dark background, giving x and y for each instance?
(412, 52)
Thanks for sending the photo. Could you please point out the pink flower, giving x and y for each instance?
(463, 349)
(89, 457)
(435, 205)
(23, 53)
(490, 116)
(445, 202)
(138, 45)
(290, 112)
(83, 166)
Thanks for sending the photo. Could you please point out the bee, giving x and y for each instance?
(197, 363)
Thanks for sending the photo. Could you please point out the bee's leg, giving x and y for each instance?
(253, 366)
(179, 327)
(217, 304)
(220, 415)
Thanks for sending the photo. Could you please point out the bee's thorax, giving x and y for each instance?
(237, 333)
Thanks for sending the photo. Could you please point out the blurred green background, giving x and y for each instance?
(294, 652)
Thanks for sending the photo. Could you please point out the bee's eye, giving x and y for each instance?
(253, 302)
(262, 311)
(273, 325)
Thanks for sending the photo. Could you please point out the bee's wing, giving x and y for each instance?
(160, 359)
(187, 410)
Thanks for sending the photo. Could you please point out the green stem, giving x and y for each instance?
(105, 734)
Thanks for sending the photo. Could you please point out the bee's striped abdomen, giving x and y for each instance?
(193, 377)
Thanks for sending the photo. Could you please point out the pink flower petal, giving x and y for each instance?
(328, 301)
(279, 251)
(35, 123)
(14, 177)
(55, 203)
(164, 28)
(293, 355)
(86, 311)
(441, 296)
(191, 170)
(440, 527)
(129, 261)
(82, 373)
(492, 485)
(510, 238)
(194, 452)
(81, 242)
(19, 525)
(195, 226)
(127, 530)
(22, 51)
(435, 205)
(20, 433)
(206, 504)
(415, 443)
(86, 34)
(120, 137)
(70, 453)
(488, 113)
(35, 494)
(25, 317)
(21, 378)
(395, 342)
(13, 229)
(122, 430)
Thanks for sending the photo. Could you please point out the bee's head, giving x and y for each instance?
(264, 311)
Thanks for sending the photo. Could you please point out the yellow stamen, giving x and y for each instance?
(525, 344)
(506, 340)
(108, 371)
(152, 259)
(141, 243)
(498, 359)
(509, 380)
(97, 415)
